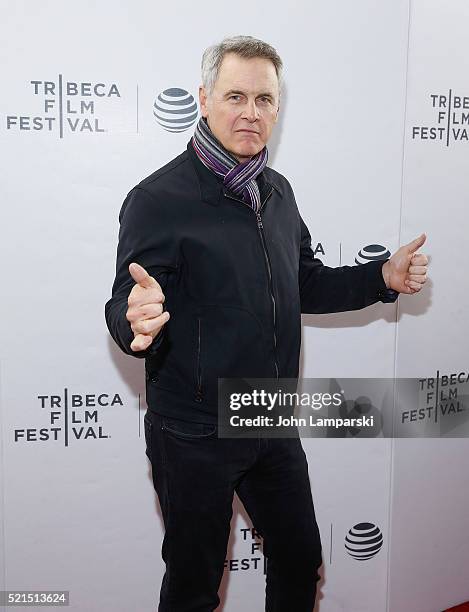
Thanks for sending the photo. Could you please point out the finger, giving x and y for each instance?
(143, 311)
(139, 296)
(141, 342)
(417, 269)
(150, 311)
(413, 285)
(141, 276)
(417, 278)
(419, 259)
(416, 243)
(150, 326)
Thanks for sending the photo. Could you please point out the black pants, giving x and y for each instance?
(195, 475)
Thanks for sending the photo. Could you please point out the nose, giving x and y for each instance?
(251, 112)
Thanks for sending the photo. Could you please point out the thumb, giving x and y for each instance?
(141, 276)
(416, 243)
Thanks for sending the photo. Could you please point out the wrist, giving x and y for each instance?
(386, 274)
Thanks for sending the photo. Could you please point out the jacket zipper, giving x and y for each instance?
(198, 396)
(260, 228)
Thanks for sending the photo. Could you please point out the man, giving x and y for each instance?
(214, 268)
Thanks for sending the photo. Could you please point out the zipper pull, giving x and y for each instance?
(259, 220)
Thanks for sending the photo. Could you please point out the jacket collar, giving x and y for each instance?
(211, 185)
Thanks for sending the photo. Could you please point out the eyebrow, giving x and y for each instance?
(236, 91)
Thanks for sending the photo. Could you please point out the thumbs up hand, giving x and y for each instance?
(145, 311)
(406, 270)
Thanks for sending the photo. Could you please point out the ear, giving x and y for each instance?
(276, 116)
(203, 101)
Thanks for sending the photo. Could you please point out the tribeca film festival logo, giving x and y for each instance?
(363, 541)
(175, 109)
(254, 559)
(64, 107)
(69, 417)
(442, 397)
(451, 119)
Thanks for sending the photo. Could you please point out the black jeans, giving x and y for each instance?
(195, 475)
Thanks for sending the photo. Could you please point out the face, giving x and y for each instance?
(244, 104)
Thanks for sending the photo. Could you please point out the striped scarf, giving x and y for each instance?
(240, 178)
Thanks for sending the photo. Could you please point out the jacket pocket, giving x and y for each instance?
(229, 343)
(198, 374)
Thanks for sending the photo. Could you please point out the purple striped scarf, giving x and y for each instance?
(238, 177)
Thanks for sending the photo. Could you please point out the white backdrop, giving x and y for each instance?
(78, 509)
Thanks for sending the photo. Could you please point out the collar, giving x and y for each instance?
(211, 185)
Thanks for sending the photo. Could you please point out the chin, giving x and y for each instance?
(248, 151)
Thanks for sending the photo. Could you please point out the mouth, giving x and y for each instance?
(248, 131)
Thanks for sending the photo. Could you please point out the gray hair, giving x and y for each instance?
(244, 46)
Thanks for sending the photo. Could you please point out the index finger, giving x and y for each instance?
(419, 259)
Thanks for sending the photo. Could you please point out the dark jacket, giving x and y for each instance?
(235, 283)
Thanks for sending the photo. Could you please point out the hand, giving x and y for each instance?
(145, 311)
(406, 270)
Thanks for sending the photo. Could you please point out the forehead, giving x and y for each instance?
(247, 74)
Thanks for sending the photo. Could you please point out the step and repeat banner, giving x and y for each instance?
(373, 135)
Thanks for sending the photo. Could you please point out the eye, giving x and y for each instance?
(234, 96)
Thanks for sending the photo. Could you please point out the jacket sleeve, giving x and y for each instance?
(145, 237)
(324, 289)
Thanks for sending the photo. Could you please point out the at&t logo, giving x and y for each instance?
(372, 252)
(363, 541)
(175, 110)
